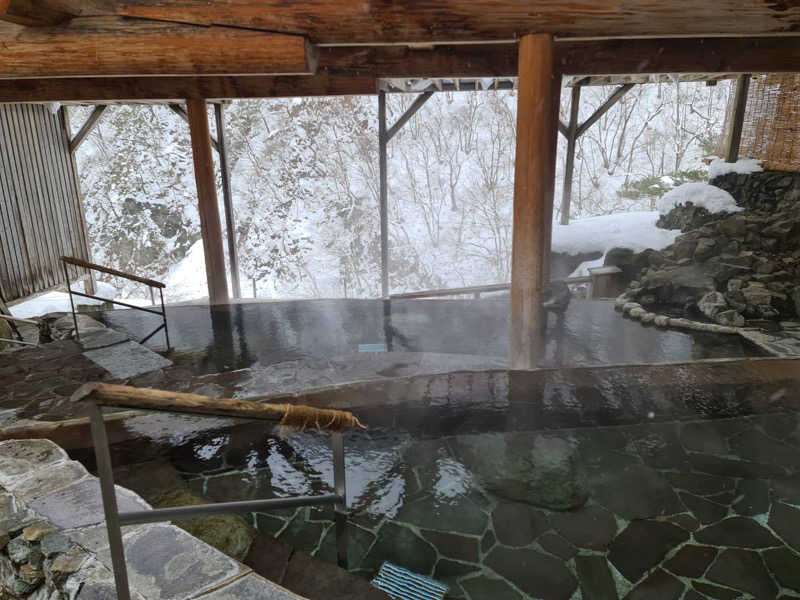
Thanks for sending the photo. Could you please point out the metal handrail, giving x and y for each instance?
(95, 396)
(476, 290)
(151, 283)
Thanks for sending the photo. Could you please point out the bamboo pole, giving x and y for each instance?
(531, 185)
(288, 415)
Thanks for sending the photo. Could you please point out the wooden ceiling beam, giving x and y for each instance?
(354, 70)
(31, 14)
(680, 55)
(113, 47)
(448, 21)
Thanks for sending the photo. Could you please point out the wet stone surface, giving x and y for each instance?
(652, 526)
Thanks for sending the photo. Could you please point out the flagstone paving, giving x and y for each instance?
(692, 528)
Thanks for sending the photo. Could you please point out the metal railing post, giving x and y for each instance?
(164, 312)
(103, 457)
(71, 302)
(340, 508)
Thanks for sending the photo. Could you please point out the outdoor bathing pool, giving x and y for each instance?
(671, 481)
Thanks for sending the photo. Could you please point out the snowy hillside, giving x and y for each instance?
(305, 186)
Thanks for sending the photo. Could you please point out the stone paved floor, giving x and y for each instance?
(696, 509)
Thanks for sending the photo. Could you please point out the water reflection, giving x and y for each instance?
(262, 334)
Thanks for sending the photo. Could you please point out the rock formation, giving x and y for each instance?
(731, 269)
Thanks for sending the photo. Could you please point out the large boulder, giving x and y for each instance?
(712, 304)
(678, 286)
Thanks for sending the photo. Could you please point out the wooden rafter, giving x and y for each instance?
(114, 46)
(354, 70)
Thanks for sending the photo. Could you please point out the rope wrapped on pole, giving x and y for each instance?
(289, 416)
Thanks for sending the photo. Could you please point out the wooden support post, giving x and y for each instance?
(531, 180)
(230, 220)
(572, 137)
(737, 120)
(210, 226)
(383, 140)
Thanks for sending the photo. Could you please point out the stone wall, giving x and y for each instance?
(759, 191)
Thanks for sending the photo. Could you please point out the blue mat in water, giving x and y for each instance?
(402, 584)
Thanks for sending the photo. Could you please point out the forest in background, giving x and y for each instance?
(305, 185)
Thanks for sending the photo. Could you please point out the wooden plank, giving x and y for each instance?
(18, 216)
(737, 118)
(532, 165)
(11, 262)
(210, 226)
(353, 70)
(112, 46)
(28, 194)
(39, 199)
(679, 55)
(572, 136)
(53, 213)
(404, 21)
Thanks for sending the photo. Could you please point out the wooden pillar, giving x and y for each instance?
(227, 197)
(210, 226)
(532, 180)
(383, 140)
(572, 137)
(737, 119)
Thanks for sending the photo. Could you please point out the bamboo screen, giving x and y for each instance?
(771, 129)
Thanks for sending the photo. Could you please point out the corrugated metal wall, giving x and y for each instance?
(41, 216)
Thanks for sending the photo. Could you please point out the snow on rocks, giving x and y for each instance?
(743, 166)
(704, 195)
(635, 230)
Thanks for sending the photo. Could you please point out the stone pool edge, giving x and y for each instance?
(53, 539)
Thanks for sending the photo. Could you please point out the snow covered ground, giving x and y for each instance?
(59, 301)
